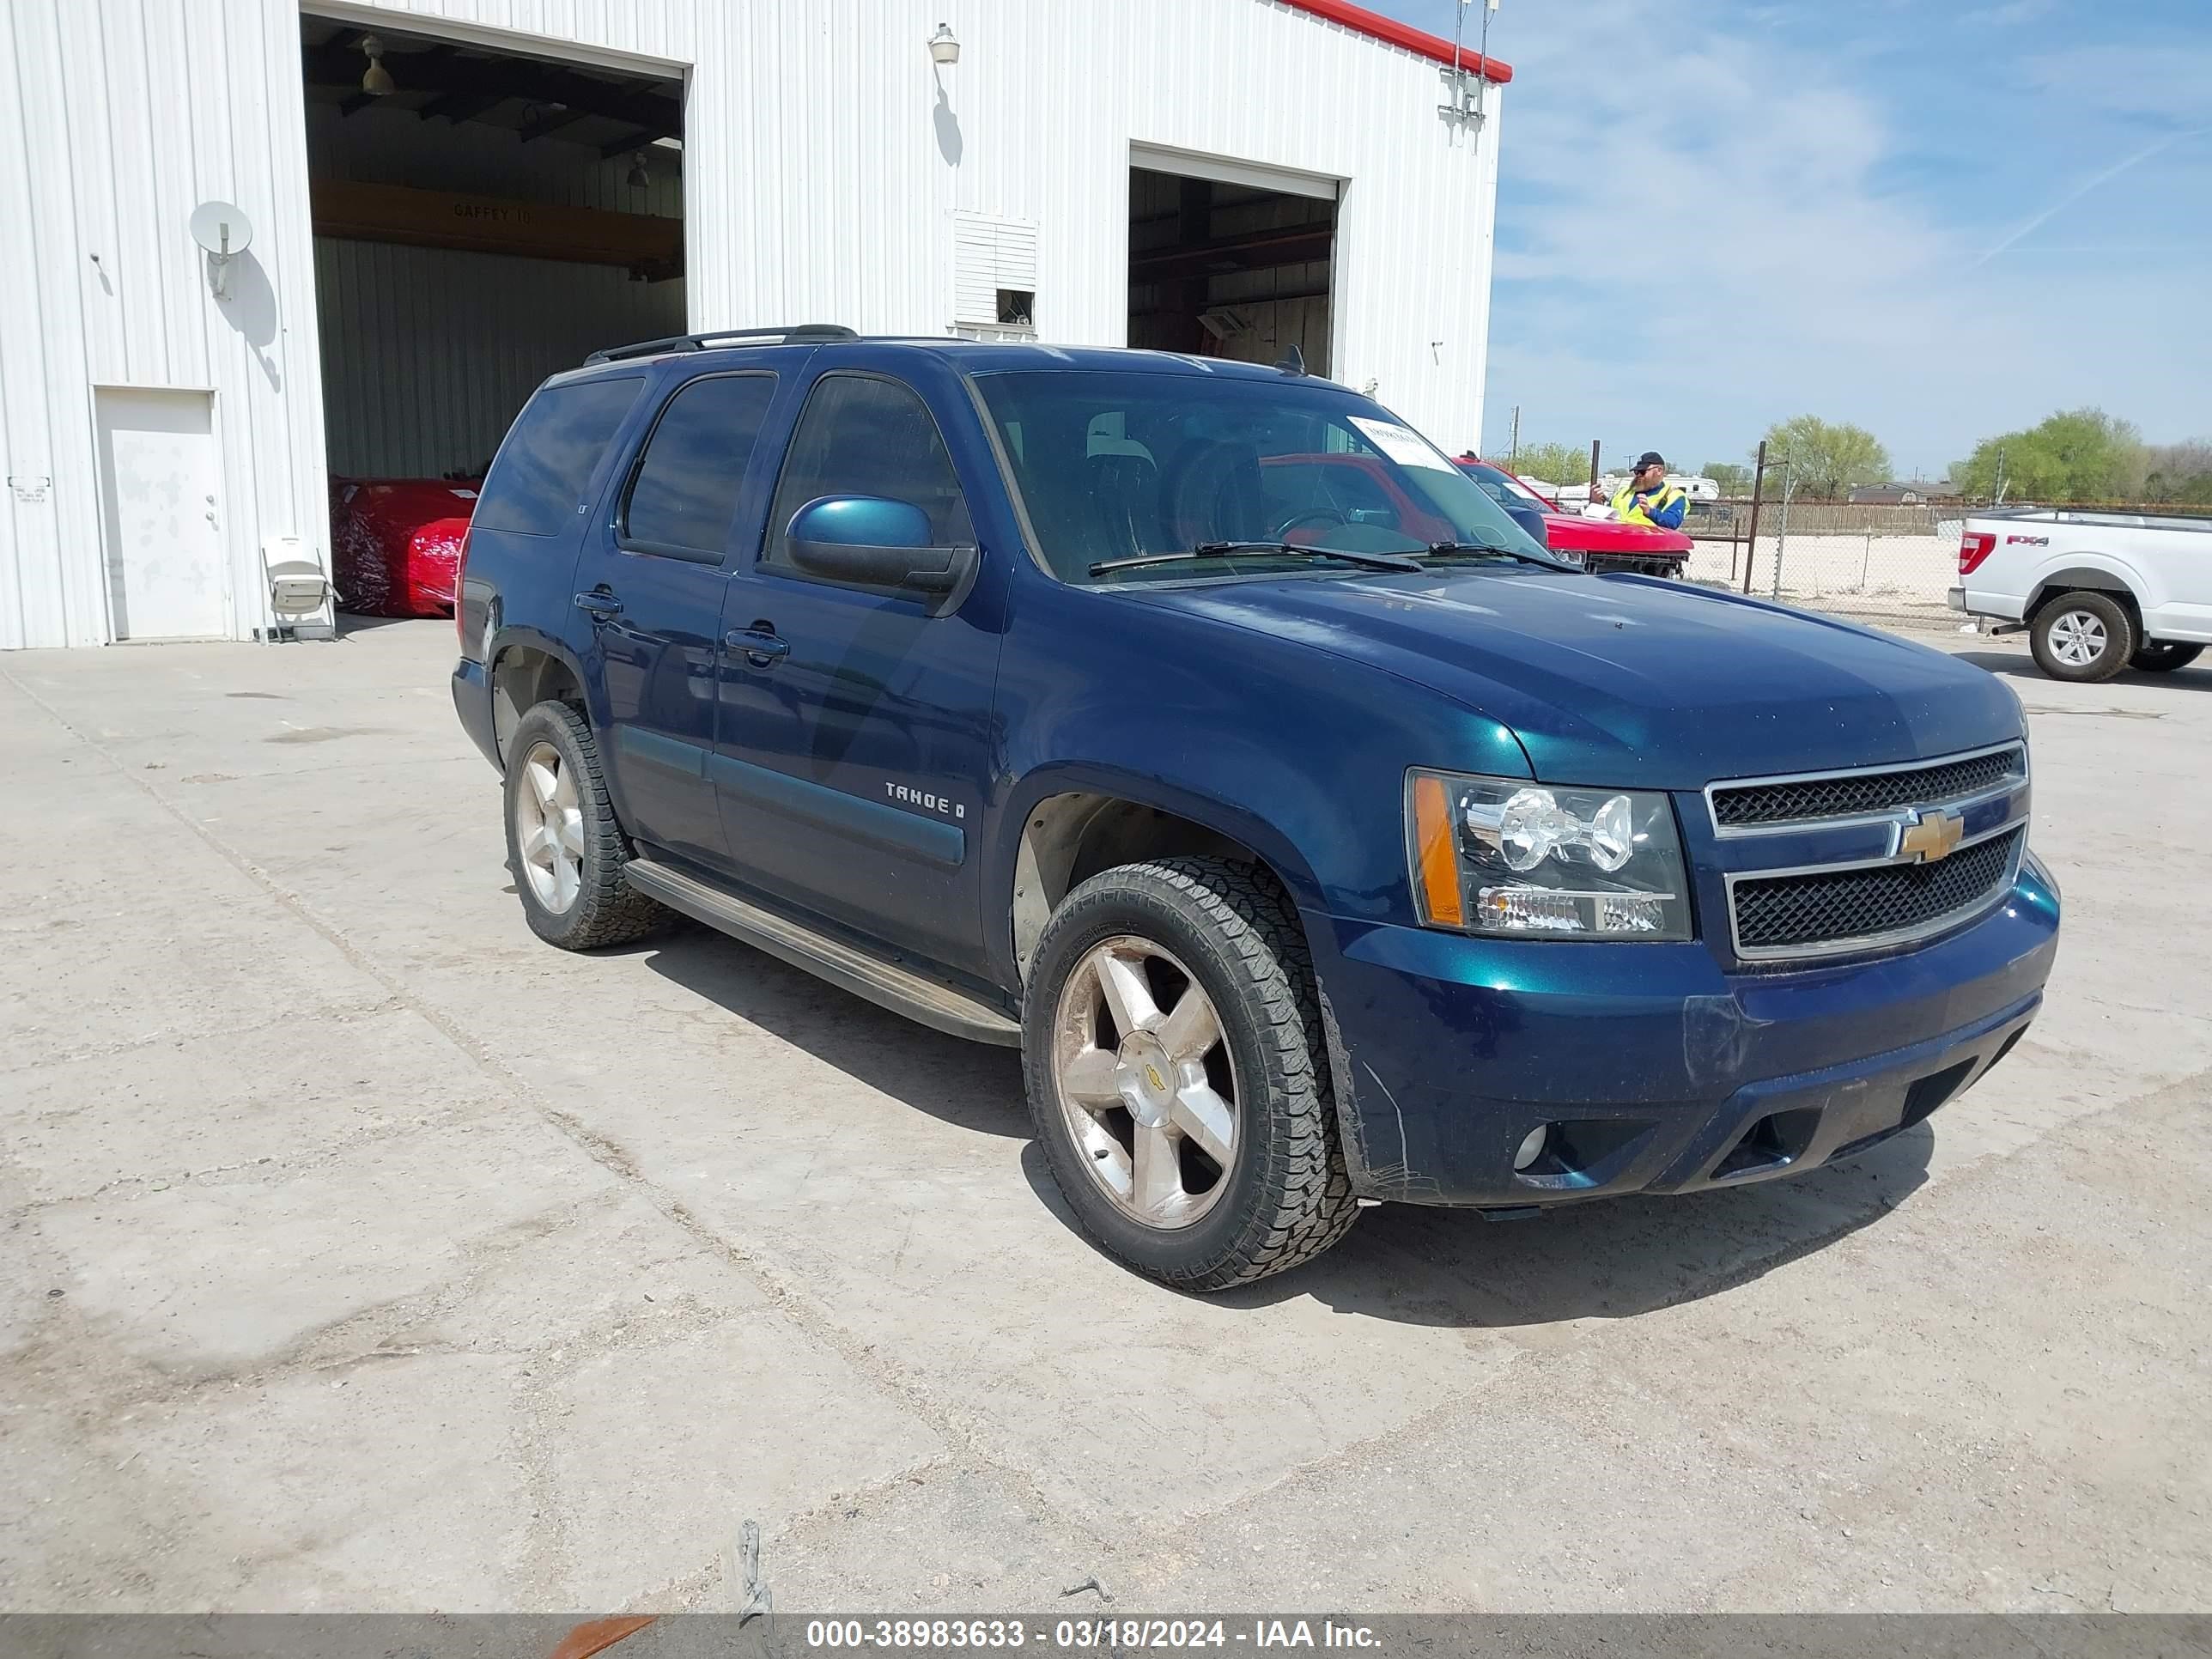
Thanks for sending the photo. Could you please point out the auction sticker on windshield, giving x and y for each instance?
(1401, 444)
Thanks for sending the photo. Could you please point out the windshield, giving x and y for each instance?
(1497, 483)
(1118, 465)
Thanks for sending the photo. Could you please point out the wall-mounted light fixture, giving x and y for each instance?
(945, 46)
(637, 178)
(375, 80)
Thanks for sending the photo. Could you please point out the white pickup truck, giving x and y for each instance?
(2097, 591)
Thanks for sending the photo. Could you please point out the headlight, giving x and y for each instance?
(1498, 856)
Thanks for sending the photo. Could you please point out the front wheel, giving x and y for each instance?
(2163, 656)
(2082, 636)
(1177, 1077)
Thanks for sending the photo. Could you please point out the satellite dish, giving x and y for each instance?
(224, 231)
(221, 228)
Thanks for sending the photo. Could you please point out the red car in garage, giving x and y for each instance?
(1600, 544)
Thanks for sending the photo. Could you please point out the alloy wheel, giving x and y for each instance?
(1145, 1082)
(549, 829)
(2078, 638)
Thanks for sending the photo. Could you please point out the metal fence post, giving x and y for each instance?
(1782, 534)
(1751, 542)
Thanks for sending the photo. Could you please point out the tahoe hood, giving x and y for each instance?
(1621, 680)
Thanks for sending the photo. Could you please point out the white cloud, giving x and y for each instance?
(1708, 235)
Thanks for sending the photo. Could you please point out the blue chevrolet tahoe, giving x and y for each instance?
(1317, 843)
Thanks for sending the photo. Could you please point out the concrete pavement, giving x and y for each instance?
(362, 1253)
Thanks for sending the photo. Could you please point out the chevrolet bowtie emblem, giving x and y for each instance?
(1929, 836)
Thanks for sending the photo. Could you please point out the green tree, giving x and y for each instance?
(1558, 463)
(2180, 472)
(1826, 460)
(2075, 455)
(1733, 480)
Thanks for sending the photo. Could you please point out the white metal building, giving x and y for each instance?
(448, 200)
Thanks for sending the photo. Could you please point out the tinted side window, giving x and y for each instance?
(546, 463)
(859, 436)
(686, 488)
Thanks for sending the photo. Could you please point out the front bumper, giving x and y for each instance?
(1658, 1069)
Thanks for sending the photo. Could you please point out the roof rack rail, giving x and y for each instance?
(796, 334)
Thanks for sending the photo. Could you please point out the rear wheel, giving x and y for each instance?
(2163, 657)
(1177, 1077)
(2083, 636)
(563, 844)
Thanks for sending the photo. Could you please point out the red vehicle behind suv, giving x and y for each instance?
(1598, 543)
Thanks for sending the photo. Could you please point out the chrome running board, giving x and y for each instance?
(884, 983)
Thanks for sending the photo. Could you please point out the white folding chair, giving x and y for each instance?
(299, 589)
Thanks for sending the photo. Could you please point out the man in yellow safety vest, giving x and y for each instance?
(1648, 499)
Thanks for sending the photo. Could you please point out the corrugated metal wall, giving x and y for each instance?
(429, 353)
(123, 115)
(824, 160)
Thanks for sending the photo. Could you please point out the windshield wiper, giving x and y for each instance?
(1216, 549)
(1493, 551)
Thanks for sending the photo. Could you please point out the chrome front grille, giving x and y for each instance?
(1822, 864)
(1822, 910)
(1828, 796)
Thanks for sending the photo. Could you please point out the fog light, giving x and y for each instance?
(1532, 1146)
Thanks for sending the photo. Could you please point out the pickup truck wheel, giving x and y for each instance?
(2083, 636)
(2163, 656)
(562, 843)
(1176, 1074)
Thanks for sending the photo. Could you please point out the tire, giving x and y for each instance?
(2083, 636)
(2163, 657)
(1281, 1196)
(585, 903)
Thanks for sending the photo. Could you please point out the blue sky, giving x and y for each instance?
(1940, 219)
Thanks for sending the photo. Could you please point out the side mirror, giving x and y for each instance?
(874, 541)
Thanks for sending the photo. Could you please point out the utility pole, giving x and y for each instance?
(1513, 443)
(1757, 487)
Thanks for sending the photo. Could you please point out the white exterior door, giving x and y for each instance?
(159, 483)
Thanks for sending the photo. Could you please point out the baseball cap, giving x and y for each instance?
(1650, 457)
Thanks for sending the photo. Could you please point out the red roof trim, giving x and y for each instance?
(1394, 33)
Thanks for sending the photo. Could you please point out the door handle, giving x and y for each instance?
(598, 605)
(762, 646)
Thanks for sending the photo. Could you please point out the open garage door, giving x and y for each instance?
(482, 218)
(1230, 260)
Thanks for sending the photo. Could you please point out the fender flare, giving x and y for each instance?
(2109, 577)
(507, 640)
(1210, 813)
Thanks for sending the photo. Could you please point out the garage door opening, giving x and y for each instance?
(1230, 265)
(482, 218)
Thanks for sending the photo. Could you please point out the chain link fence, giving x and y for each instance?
(1892, 565)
